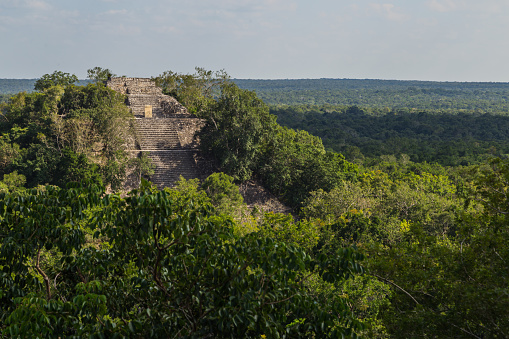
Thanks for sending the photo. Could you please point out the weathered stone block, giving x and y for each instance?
(148, 111)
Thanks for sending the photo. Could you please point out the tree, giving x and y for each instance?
(99, 74)
(32, 223)
(195, 91)
(42, 129)
(165, 267)
(142, 166)
(296, 163)
(54, 79)
(74, 167)
(8, 151)
(222, 191)
(238, 123)
(12, 181)
(447, 268)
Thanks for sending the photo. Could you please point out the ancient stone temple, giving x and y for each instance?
(143, 93)
(165, 130)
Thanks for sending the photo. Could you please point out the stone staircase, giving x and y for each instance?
(143, 92)
(171, 164)
(159, 138)
(167, 135)
(157, 134)
(137, 103)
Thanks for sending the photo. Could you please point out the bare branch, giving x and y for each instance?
(467, 332)
(400, 288)
(41, 272)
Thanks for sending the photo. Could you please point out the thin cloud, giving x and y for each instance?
(115, 12)
(443, 6)
(271, 4)
(37, 5)
(30, 4)
(166, 29)
(389, 11)
(6, 4)
(254, 6)
(116, 28)
(236, 19)
(490, 7)
(282, 5)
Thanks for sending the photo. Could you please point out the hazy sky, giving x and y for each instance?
(450, 40)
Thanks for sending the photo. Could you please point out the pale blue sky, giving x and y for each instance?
(446, 40)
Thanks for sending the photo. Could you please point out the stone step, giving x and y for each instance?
(137, 103)
(150, 133)
(134, 85)
(157, 134)
(160, 139)
(150, 129)
(154, 121)
(170, 165)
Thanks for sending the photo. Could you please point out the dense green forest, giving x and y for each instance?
(384, 94)
(383, 246)
(480, 97)
(13, 86)
(426, 136)
(8, 87)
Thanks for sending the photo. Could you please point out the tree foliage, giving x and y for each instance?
(221, 190)
(79, 262)
(195, 91)
(164, 268)
(296, 163)
(66, 133)
(57, 78)
(99, 74)
(239, 122)
(384, 95)
(441, 250)
(451, 139)
(245, 140)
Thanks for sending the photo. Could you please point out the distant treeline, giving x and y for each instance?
(448, 139)
(483, 97)
(13, 86)
(447, 97)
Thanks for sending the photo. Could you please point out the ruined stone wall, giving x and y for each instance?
(143, 92)
(187, 130)
(134, 86)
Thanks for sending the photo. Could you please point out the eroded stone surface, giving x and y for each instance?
(142, 92)
(168, 137)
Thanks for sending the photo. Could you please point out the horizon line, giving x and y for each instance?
(322, 78)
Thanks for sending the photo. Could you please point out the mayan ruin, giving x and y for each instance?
(165, 130)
